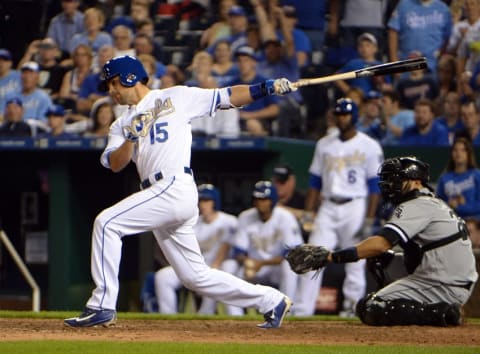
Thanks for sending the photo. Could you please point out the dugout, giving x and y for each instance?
(51, 191)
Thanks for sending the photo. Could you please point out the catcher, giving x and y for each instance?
(437, 253)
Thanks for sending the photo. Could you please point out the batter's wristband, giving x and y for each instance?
(262, 89)
(346, 255)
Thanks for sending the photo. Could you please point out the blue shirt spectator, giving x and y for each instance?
(426, 131)
(419, 25)
(66, 24)
(94, 20)
(459, 185)
(9, 79)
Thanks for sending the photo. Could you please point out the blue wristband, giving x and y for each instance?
(262, 89)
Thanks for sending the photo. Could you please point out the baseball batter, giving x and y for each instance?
(437, 253)
(215, 231)
(265, 233)
(344, 170)
(155, 133)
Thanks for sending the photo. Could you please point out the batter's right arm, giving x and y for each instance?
(120, 157)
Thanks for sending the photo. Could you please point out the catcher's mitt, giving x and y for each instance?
(305, 258)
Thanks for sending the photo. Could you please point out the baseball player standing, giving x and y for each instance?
(155, 133)
(265, 233)
(344, 174)
(436, 247)
(215, 231)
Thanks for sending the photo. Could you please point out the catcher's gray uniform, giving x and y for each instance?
(446, 273)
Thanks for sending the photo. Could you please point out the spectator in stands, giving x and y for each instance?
(224, 68)
(102, 117)
(82, 57)
(446, 77)
(144, 45)
(419, 25)
(311, 19)
(473, 226)
(471, 121)
(220, 28)
(281, 60)
(56, 122)
(459, 184)
(395, 119)
(150, 65)
(303, 47)
(13, 124)
(9, 79)
(238, 24)
(416, 85)
(370, 121)
(94, 20)
(35, 101)
(123, 40)
(45, 52)
(255, 118)
(65, 25)
(450, 115)
(426, 131)
(89, 89)
(360, 16)
(147, 28)
(468, 52)
(367, 48)
(139, 11)
(201, 71)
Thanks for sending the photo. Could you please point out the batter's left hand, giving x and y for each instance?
(283, 86)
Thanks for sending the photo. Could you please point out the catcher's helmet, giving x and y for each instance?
(209, 192)
(129, 69)
(398, 169)
(347, 106)
(265, 190)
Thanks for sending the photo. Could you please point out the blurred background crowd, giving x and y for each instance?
(51, 52)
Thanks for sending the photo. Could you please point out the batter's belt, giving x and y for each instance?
(158, 176)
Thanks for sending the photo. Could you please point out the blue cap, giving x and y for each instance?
(129, 69)
(5, 54)
(15, 100)
(247, 51)
(237, 11)
(56, 110)
(31, 66)
(373, 94)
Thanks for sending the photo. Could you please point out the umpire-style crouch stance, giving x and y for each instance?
(437, 253)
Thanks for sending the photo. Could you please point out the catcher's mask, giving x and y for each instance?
(265, 190)
(209, 192)
(347, 106)
(129, 69)
(395, 170)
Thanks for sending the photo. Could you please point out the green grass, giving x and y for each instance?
(51, 347)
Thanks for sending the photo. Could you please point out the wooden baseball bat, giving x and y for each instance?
(376, 70)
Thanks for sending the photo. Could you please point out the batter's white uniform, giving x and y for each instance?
(266, 240)
(344, 167)
(168, 207)
(210, 237)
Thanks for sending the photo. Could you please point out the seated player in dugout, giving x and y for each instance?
(437, 253)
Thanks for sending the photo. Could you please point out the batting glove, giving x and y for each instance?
(283, 86)
(130, 134)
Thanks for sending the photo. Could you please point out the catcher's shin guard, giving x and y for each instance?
(375, 311)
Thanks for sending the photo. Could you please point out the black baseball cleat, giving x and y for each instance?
(90, 317)
(274, 318)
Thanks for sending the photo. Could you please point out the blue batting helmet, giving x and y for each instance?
(209, 192)
(265, 190)
(129, 69)
(347, 106)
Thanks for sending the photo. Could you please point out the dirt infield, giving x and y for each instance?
(230, 331)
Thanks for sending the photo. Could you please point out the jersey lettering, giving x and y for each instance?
(352, 176)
